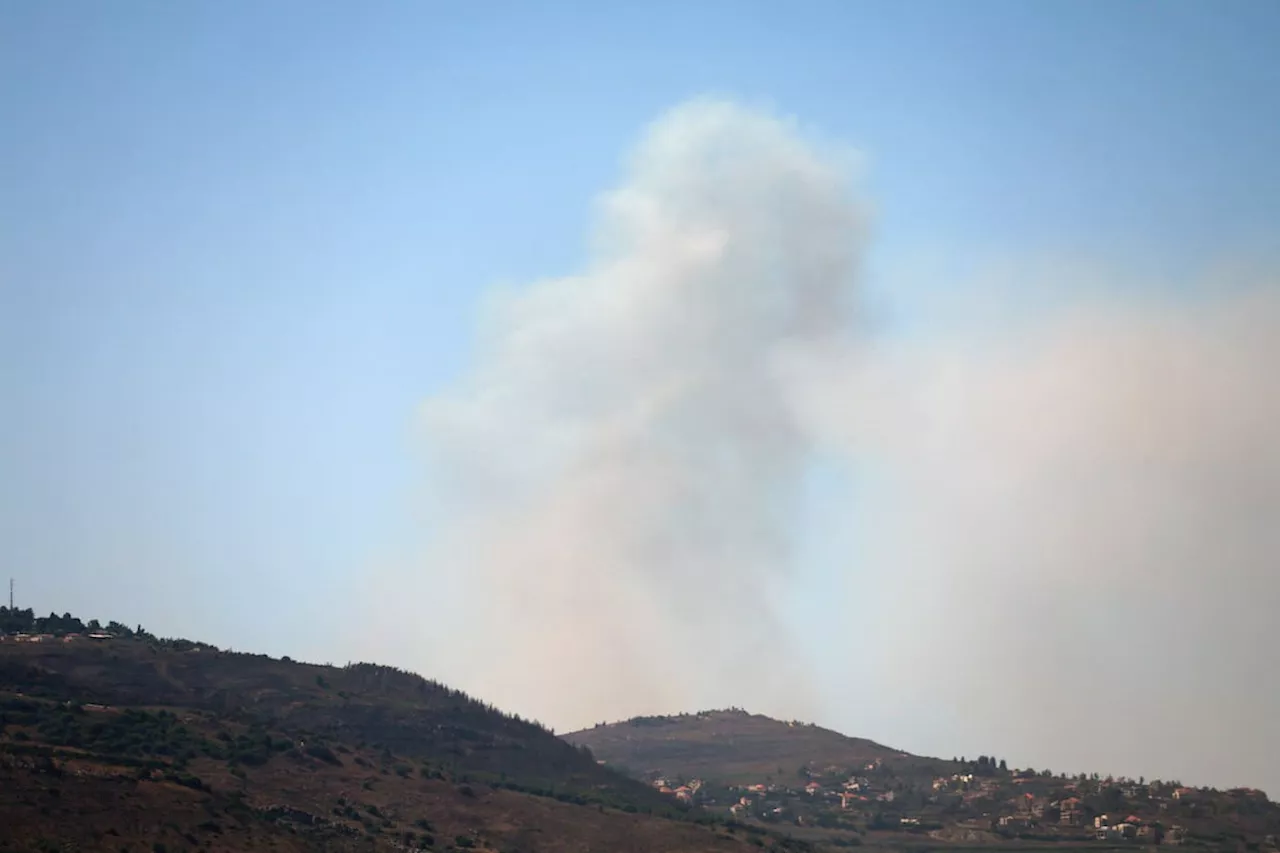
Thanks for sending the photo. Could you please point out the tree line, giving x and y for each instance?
(19, 621)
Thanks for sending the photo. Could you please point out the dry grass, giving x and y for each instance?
(728, 746)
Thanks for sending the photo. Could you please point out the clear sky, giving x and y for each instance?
(241, 243)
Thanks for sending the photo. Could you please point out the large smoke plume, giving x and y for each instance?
(617, 473)
(1076, 529)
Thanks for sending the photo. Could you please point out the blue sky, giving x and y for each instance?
(241, 243)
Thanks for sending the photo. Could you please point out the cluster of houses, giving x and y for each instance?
(1063, 808)
(768, 800)
(1014, 803)
(51, 638)
(1131, 827)
(683, 793)
(858, 789)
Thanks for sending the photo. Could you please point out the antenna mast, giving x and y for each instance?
(10, 595)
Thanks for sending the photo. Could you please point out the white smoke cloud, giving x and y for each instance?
(1074, 530)
(616, 474)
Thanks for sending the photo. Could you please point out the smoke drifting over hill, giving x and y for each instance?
(1081, 510)
(1083, 522)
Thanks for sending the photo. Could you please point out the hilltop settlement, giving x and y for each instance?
(888, 793)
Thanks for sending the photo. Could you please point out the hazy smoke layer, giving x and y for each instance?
(1074, 532)
(618, 470)
(1081, 527)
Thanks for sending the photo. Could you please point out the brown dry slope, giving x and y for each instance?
(729, 746)
(298, 808)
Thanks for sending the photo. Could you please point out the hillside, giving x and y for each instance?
(142, 744)
(117, 740)
(729, 746)
(843, 790)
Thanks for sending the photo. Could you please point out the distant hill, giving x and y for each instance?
(142, 744)
(840, 791)
(729, 746)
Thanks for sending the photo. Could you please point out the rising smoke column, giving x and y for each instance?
(613, 480)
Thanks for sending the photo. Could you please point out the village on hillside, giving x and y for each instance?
(23, 626)
(54, 638)
(986, 799)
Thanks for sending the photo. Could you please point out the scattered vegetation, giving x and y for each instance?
(150, 741)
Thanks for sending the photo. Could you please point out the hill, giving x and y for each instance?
(729, 746)
(843, 790)
(141, 744)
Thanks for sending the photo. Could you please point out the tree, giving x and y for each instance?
(1112, 799)
(17, 621)
(1003, 765)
